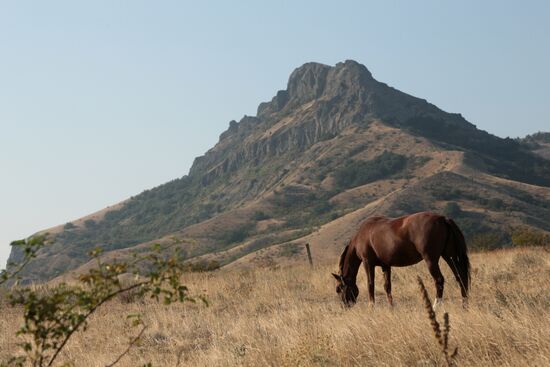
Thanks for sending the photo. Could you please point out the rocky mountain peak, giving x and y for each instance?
(353, 70)
(307, 82)
(315, 80)
(312, 80)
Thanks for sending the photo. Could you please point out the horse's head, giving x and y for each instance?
(347, 290)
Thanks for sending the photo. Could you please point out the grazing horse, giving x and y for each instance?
(403, 241)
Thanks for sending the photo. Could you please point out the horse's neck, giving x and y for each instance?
(351, 264)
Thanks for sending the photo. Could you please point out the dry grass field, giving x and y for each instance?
(292, 317)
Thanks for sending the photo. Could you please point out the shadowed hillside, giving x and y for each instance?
(538, 143)
(333, 148)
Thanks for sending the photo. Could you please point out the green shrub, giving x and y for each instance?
(238, 234)
(54, 314)
(260, 215)
(357, 173)
(526, 236)
(495, 204)
(69, 226)
(203, 266)
(452, 209)
(90, 224)
(290, 249)
(471, 226)
(322, 207)
(488, 241)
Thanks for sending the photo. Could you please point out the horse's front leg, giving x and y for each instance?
(387, 283)
(369, 268)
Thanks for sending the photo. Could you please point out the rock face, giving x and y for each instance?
(334, 141)
(321, 101)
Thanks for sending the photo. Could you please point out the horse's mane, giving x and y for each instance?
(343, 257)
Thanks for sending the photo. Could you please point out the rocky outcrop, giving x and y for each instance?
(320, 101)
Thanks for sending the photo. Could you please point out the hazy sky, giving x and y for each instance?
(100, 100)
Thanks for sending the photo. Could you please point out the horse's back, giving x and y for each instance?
(426, 227)
(405, 240)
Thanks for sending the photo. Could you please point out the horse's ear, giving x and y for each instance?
(339, 278)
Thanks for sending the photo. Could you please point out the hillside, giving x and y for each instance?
(333, 148)
(538, 143)
(291, 316)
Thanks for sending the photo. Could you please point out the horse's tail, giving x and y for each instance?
(459, 257)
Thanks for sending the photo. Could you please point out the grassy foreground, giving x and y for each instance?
(292, 317)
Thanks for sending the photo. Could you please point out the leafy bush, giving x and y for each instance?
(203, 266)
(322, 207)
(69, 226)
(489, 240)
(495, 204)
(293, 198)
(53, 315)
(90, 223)
(357, 173)
(238, 234)
(526, 236)
(452, 209)
(471, 225)
(290, 249)
(260, 215)
(450, 194)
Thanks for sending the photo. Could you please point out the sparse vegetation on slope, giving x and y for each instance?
(503, 157)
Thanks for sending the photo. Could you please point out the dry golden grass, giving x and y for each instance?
(292, 317)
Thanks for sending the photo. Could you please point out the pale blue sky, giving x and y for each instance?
(100, 100)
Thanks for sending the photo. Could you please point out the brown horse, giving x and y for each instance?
(403, 241)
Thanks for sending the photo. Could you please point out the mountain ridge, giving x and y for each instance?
(291, 165)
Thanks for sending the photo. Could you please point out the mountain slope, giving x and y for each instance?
(331, 149)
(538, 143)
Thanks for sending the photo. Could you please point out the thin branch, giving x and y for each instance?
(30, 248)
(91, 311)
(130, 345)
(5, 276)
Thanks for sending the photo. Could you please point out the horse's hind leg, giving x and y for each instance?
(387, 283)
(435, 272)
(449, 260)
